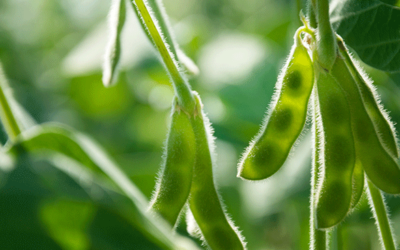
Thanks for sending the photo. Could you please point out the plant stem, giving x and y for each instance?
(318, 238)
(160, 16)
(311, 14)
(6, 115)
(326, 43)
(181, 86)
(382, 221)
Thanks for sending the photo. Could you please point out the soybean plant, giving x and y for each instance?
(187, 172)
(354, 139)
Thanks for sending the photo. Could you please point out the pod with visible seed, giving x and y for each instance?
(269, 150)
(174, 184)
(337, 155)
(379, 117)
(380, 167)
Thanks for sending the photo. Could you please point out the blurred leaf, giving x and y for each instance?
(66, 221)
(372, 29)
(64, 141)
(19, 205)
(97, 101)
(38, 214)
(87, 56)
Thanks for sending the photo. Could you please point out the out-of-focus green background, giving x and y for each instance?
(52, 53)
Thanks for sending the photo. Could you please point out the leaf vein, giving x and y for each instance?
(339, 18)
(397, 40)
(390, 59)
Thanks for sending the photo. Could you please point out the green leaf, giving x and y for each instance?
(372, 29)
(63, 207)
(52, 138)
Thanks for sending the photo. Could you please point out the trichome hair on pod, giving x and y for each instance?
(191, 225)
(318, 136)
(318, 238)
(112, 56)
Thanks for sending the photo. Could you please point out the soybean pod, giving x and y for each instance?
(174, 183)
(380, 167)
(204, 202)
(380, 119)
(270, 148)
(358, 183)
(337, 152)
(318, 238)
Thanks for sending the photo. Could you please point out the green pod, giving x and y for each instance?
(112, 56)
(270, 148)
(174, 183)
(337, 152)
(379, 117)
(217, 230)
(358, 184)
(380, 167)
(318, 238)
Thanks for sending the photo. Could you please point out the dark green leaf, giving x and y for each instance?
(372, 29)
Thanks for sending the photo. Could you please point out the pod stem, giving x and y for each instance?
(311, 13)
(160, 16)
(6, 115)
(381, 217)
(318, 238)
(326, 43)
(181, 86)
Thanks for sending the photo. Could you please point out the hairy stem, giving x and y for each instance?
(318, 238)
(326, 43)
(381, 217)
(6, 115)
(160, 16)
(311, 14)
(181, 86)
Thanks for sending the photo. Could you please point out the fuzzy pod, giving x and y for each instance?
(217, 230)
(112, 56)
(318, 238)
(337, 155)
(175, 179)
(376, 112)
(380, 167)
(283, 125)
(358, 184)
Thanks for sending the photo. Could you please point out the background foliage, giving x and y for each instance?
(52, 54)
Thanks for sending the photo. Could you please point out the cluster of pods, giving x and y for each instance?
(354, 138)
(187, 177)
